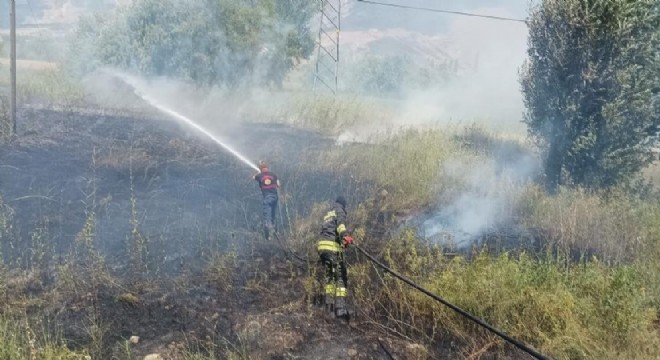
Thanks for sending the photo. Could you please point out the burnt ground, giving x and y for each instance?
(183, 186)
(81, 183)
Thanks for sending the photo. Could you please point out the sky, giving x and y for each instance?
(363, 15)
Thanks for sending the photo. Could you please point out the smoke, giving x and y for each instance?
(490, 54)
(207, 114)
(139, 89)
(464, 69)
(65, 11)
(490, 192)
(213, 107)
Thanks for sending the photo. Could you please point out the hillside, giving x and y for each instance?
(209, 279)
(131, 227)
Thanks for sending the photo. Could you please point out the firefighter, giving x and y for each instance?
(334, 238)
(268, 183)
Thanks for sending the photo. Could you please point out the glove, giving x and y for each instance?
(347, 241)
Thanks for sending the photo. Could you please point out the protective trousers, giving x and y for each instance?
(335, 276)
(269, 207)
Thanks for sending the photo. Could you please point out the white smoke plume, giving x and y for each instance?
(491, 190)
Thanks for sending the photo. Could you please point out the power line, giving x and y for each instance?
(493, 17)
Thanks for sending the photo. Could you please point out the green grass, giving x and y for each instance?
(592, 295)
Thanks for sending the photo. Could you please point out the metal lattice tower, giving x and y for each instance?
(327, 59)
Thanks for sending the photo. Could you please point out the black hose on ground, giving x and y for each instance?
(382, 346)
(289, 250)
(517, 343)
(277, 236)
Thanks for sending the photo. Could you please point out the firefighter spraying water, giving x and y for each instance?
(268, 183)
(334, 237)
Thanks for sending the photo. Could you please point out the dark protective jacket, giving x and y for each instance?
(334, 223)
(267, 182)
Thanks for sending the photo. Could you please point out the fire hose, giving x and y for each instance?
(517, 343)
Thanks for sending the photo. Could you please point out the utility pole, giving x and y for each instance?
(327, 59)
(12, 64)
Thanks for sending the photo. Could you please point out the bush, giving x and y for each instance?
(394, 75)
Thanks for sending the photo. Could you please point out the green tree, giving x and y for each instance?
(591, 88)
(209, 42)
(382, 75)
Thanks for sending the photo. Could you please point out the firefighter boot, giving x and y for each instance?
(340, 303)
(268, 232)
(329, 299)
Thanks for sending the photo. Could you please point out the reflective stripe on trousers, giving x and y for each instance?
(330, 289)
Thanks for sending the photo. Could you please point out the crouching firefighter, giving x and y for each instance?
(334, 238)
(268, 183)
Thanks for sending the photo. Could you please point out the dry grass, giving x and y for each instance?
(614, 226)
(332, 115)
(5, 122)
(221, 270)
(406, 165)
(652, 174)
(19, 340)
(51, 86)
(585, 311)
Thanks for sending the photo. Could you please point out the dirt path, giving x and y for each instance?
(30, 64)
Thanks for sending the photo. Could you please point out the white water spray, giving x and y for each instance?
(153, 102)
